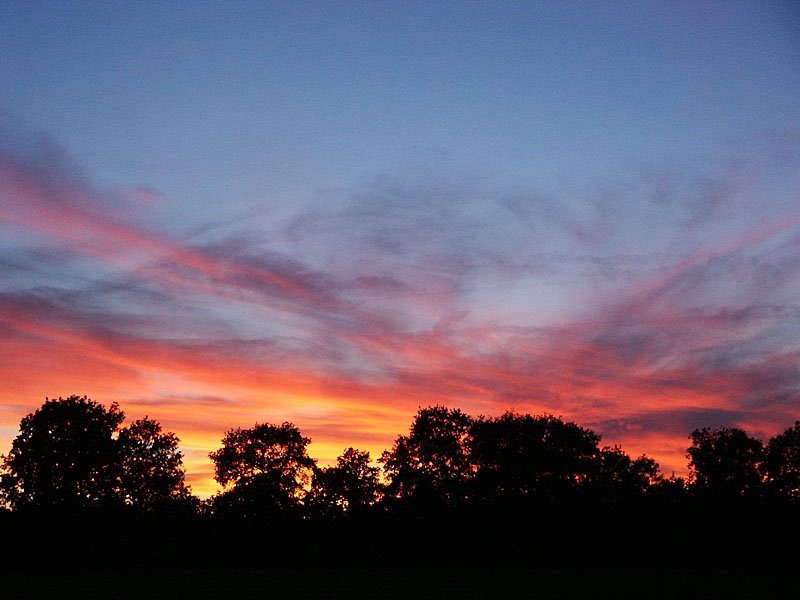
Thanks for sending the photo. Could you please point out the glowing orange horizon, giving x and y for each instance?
(181, 338)
(219, 392)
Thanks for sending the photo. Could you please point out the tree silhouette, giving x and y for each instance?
(618, 477)
(75, 453)
(71, 453)
(782, 463)
(349, 487)
(65, 455)
(151, 470)
(724, 463)
(668, 490)
(265, 469)
(432, 463)
(535, 457)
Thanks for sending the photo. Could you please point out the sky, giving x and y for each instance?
(334, 213)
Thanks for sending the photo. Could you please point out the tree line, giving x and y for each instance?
(74, 453)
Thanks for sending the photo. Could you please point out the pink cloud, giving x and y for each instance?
(358, 349)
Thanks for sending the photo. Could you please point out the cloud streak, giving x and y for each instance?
(643, 308)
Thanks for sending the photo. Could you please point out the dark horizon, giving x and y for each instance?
(512, 506)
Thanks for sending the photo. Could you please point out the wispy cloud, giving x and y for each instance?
(643, 307)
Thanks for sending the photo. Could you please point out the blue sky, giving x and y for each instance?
(260, 100)
(590, 208)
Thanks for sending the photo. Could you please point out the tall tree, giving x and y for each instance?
(782, 463)
(725, 463)
(432, 463)
(65, 455)
(264, 469)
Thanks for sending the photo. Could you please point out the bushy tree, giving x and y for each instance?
(65, 455)
(669, 490)
(349, 487)
(725, 463)
(264, 469)
(782, 463)
(151, 469)
(71, 453)
(618, 477)
(539, 457)
(432, 463)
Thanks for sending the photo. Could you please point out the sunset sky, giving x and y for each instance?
(218, 214)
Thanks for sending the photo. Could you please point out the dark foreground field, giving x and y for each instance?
(489, 582)
(574, 553)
